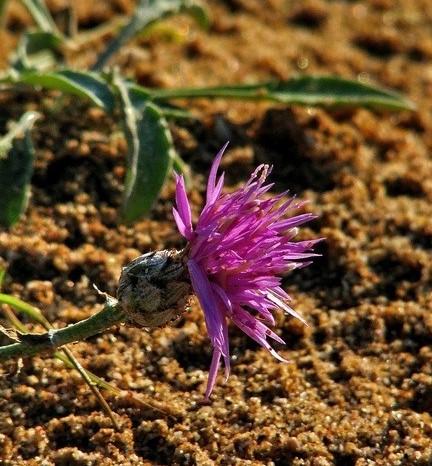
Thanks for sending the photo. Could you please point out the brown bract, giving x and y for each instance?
(154, 288)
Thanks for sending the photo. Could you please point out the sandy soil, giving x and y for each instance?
(358, 388)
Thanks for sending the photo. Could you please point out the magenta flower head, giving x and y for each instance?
(237, 252)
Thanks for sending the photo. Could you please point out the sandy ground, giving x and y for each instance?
(358, 388)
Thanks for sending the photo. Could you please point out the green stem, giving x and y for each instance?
(32, 344)
(68, 360)
(67, 357)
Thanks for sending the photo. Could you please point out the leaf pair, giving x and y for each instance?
(150, 149)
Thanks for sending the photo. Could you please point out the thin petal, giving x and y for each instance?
(213, 316)
(180, 225)
(214, 367)
(293, 221)
(226, 302)
(183, 206)
(223, 297)
(211, 183)
(216, 191)
(257, 331)
(276, 300)
(226, 356)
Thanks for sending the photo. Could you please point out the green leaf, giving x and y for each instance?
(146, 13)
(17, 129)
(36, 51)
(39, 40)
(150, 155)
(41, 16)
(16, 168)
(176, 113)
(140, 97)
(20, 305)
(303, 90)
(83, 84)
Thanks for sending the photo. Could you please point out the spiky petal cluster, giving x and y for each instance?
(242, 243)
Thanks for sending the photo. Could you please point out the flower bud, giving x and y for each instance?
(154, 288)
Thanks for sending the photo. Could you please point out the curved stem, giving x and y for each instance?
(32, 344)
(67, 357)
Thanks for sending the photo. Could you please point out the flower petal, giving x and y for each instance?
(211, 183)
(214, 367)
(213, 316)
(180, 225)
(226, 355)
(241, 246)
(183, 207)
(257, 331)
(276, 300)
(223, 297)
(216, 191)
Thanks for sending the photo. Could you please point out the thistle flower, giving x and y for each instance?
(237, 252)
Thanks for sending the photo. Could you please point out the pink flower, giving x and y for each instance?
(239, 248)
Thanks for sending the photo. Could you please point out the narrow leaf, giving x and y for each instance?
(41, 15)
(172, 112)
(146, 13)
(21, 306)
(16, 168)
(304, 90)
(36, 51)
(83, 84)
(150, 155)
(155, 155)
(140, 97)
(38, 40)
